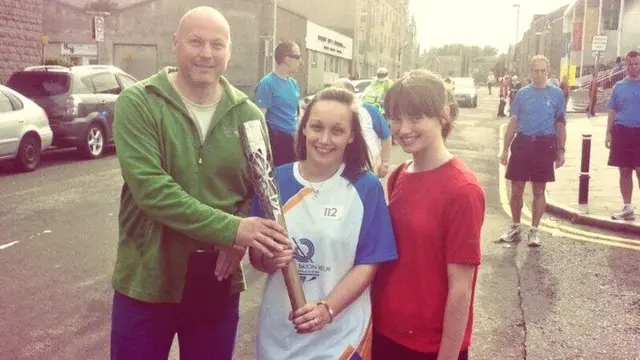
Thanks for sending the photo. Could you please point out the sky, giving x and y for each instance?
(476, 22)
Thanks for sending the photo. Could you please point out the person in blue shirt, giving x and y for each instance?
(623, 132)
(375, 130)
(277, 96)
(536, 135)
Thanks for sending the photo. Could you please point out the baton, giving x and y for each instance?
(259, 158)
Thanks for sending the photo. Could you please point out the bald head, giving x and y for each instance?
(202, 45)
(344, 83)
(203, 16)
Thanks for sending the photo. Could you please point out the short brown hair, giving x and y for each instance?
(421, 93)
(283, 50)
(633, 53)
(539, 58)
(356, 155)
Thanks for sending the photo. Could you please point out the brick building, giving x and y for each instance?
(20, 35)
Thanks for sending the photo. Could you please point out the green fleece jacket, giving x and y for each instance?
(179, 195)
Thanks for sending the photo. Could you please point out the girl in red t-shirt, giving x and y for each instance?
(423, 302)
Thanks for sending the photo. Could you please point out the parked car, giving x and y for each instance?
(466, 91)
(79, 101)
(24, 130)
(359, 85)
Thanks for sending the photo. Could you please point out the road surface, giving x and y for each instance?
(577, 297)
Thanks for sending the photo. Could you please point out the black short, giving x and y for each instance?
(282, 146)
(625, 147)
(532, 159)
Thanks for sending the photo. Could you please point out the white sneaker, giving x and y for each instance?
(534, 239)
(627, 214)
(512, 235)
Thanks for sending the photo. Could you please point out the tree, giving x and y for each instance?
(489, 51)
(468, 54)
(500, 68)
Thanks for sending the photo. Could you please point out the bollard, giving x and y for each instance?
(583, 189)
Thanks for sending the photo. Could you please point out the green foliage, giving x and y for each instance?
(470, 57)
(501, 66)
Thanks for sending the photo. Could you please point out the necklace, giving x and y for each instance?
(314, 189)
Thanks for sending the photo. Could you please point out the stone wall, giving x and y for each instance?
(20, 35)
(138, 37)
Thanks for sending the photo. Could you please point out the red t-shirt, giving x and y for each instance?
(437, 218)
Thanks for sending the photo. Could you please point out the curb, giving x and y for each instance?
(576, 217)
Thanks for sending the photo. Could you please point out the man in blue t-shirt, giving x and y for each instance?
(623, 132)
(277, 96)
(538, 125)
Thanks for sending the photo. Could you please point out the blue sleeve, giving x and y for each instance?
(376, 243)
(613, 100)
(515, 105)
(264, 94)
(380, 125)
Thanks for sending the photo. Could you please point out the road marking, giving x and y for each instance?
(2, 247)
(551, 226)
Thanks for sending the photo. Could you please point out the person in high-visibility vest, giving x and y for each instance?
(374, 93)
(449, 84)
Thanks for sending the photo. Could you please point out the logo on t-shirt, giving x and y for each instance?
(308, 270)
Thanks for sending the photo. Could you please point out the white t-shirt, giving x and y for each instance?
(201, 114)
(374, 129)
(335, 228)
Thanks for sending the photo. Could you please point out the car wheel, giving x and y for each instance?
(28, 157)
(94, 141)
(475, 102)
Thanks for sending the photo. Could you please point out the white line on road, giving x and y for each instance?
(2, 247)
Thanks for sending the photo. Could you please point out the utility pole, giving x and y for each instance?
(275, 25)
(620, 21)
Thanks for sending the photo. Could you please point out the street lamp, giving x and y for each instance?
(517, 20)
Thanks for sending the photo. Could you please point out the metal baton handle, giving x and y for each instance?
(259, 159)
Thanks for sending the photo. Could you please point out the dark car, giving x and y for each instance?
(78, 100)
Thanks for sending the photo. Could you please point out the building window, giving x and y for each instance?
(612, 15)
(313, 58)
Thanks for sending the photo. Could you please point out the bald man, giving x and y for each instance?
(183, 207)
(375, 130)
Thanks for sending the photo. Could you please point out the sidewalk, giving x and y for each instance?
(604, 193)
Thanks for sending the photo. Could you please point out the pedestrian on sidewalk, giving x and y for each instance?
(182, 222)
(566, 89)
(504, 93)
(490, 80)
(536, 135)
(593, 94)
(514, 86)
(623, 132)
(277, 95)
(375, 130)
(336, 213)
(423, 302)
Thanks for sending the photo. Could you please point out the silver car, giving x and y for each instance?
(24, 130)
